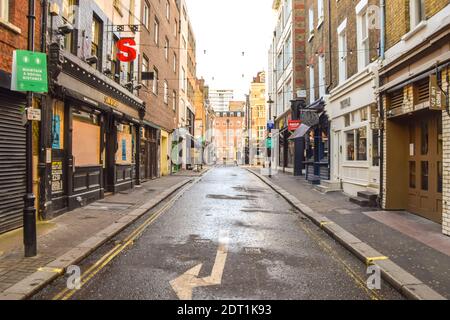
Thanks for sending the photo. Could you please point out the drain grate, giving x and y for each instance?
(250, 250)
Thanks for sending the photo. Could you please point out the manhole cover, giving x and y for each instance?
(252, 250)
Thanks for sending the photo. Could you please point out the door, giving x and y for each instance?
(425, 166)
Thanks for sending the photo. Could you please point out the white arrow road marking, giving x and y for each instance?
(185, 284)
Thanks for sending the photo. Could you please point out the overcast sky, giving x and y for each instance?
(225, 29)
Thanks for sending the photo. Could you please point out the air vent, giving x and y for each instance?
(423, 91)
(396, 99)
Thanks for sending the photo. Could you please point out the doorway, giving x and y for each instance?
(425, 166)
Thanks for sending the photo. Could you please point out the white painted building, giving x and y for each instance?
(220, 99)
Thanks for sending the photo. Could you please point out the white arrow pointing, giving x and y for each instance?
(185, 284)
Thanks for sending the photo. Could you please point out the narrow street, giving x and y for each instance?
(229, 236)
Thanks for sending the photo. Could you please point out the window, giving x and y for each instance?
(280, 68)
(115, 63)
(311, 22)
(312, 92)
(175, 28)
(183, 79)
(363, 39)
(145, 65)
(376, 148)
(320, 12)
(322, 89)
(174, 63)
(4, 10)
(342, 44)
(166, 49)
(155, 81)
(96, 44)
(156, 31)
(167, 10)
(183, 42)
(174, 100)
(288, 51)
(357, 144)
(261, 131)
(166, 92)
(416, 12)
(146, 16)
(68, 14)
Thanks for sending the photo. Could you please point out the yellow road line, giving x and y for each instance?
(348, 269)
(371, 260)
(55, 270)
(108, 257)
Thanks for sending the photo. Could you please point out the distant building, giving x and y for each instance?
(237, 105)
(258, 116)
(220, 99)
(228, 136)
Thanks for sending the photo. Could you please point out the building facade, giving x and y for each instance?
(286, 74)
(159, 54)
(352, 104)
(414, 90)
(220, 99)
(228, 137)
(258, 118)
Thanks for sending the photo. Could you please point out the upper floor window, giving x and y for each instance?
(288, 51)
(145, 66)
(416, 12)
(342, 47)
(311, 22)
(68, 15)
(362, 25)
(312, 91)
(174, 63)
(175, 29)
(168, 10)
(4, 10)
(174, 100)
(166, 49)
(322, 81)
(155, 81)
(96, 43)
(166, 92)
(320, 12)
(156, 30)
(146, 15)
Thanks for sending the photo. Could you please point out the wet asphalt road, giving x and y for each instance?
(273, 252)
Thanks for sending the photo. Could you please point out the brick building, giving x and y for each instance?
(159, 53)
(352, 101)
(286, 74)
(228, 136)
(258, 118)
(13, 175)
(414, 75)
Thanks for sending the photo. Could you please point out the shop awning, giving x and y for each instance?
(300, 132)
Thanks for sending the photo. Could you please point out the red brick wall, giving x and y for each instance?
(11, 40)
(157, 111)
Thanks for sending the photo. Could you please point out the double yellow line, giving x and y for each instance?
(108, 257)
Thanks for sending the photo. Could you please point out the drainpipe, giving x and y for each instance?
(383, 29)
(330, 56)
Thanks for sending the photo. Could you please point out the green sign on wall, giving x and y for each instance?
(29, 71)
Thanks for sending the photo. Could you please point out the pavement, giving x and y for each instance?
(74, 235)
(227, 236)
(415, 245)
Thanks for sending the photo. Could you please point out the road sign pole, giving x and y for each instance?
(29, 211)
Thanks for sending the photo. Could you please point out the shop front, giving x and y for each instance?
(149, 151)
(355, 134)
(95, 125)
(414, 95)
(317, 161)
(12, 159)
(286, 146)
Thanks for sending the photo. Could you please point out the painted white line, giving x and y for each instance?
(185, 284)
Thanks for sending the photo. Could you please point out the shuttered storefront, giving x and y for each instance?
(12, 160)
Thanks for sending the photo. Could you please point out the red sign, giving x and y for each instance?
(126, 52)
(293, 125)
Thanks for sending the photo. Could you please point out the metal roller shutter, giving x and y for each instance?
(12, 160)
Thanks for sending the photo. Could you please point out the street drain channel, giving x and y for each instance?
(108, 206)
(226, 197)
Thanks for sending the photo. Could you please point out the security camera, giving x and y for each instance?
(92, 60)
(66, 28)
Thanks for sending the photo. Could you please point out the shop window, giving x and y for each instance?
(412, 174)
(124, 154)
(424, 175)
(424, 138)
(85, 128)
(58, 126)
(357, 144)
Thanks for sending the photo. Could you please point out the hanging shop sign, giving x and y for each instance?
(294, 125)
(29, 71)
(437, 97)
(126, 52)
